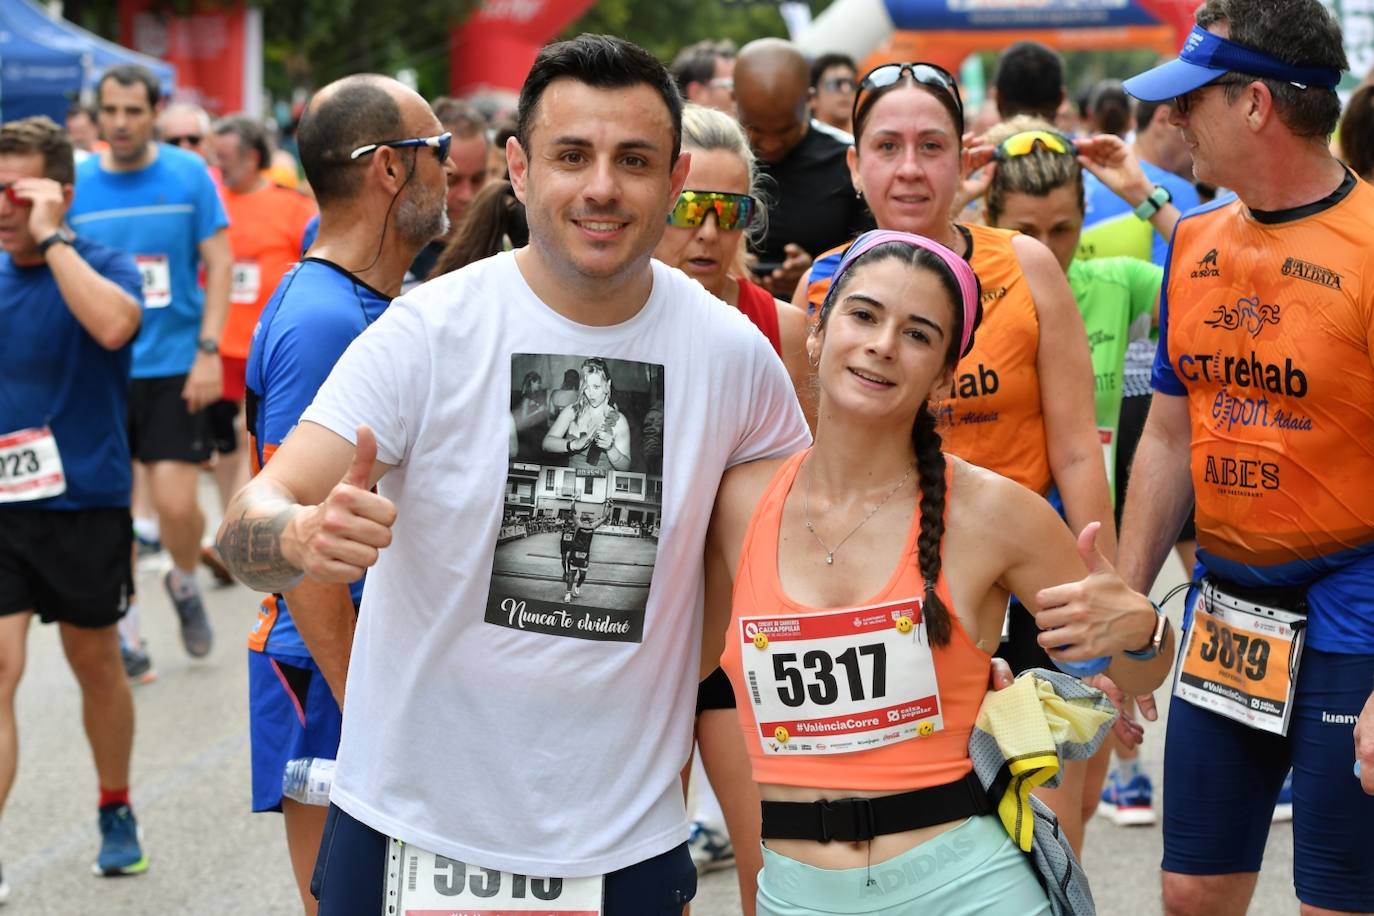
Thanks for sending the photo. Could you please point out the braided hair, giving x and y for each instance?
(925, 440)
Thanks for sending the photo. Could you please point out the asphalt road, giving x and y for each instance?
(210, 855)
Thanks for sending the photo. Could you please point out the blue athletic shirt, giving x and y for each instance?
(316, 312)
(312, 229)
(1102, 204)
(159, 214)
(56, 374)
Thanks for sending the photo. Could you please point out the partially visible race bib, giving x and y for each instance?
(30, 466)
(1107, 436)
(1241, 660)
(421, 883)
(157, 280)
(840, 681)
(247, 281)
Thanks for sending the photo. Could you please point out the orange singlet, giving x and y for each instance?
(994, 419)
(960, 669)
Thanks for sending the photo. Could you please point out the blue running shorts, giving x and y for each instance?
(291, 713)
(1221, 780)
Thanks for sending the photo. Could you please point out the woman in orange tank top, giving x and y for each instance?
(858, 662)
(1021, 403)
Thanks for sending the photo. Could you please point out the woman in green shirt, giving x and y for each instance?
(1036, 187)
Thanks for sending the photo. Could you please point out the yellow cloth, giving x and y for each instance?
(1031, 721)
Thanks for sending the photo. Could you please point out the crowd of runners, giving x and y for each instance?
(763, 424)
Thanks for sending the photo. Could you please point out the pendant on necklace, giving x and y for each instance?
(829, 559)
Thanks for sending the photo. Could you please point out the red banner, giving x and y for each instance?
(207, 47)
(495, 48)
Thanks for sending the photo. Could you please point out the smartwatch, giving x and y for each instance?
(1151, 205)
(60, 237)
(1156, 638)
(207, 345)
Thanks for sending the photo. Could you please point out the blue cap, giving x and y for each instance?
(1206, 56)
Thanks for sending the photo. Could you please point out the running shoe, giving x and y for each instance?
(138, 664)
(1283, 809)
(710, 848)
(196, 634)
(209, 558)
(1130, 804)
(145, 547)
(121, 853)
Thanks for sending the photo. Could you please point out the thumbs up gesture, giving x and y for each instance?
(1095, 616)
(342, 536)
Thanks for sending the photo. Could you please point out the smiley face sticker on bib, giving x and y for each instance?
(836, 682)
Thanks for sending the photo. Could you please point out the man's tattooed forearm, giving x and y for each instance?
(251, 548)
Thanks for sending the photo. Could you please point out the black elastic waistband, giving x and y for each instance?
(856, 819)
(1291, 598)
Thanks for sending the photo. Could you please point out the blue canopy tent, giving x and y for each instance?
(34, 77)
(28, 23)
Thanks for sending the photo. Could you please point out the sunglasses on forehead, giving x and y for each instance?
(439, 143)
(1028, 141)
(733, 211)
(926, 74)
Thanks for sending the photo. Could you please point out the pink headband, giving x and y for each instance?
(963, 273)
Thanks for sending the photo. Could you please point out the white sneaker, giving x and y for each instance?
(567, 596)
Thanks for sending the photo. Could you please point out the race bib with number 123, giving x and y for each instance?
(30, 466)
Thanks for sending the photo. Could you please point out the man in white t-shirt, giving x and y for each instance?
(490, 725)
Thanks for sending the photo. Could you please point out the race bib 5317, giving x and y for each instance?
(836, 682)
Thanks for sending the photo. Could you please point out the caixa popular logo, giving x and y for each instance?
(1248, 314)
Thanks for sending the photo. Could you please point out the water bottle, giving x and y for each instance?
(307, 780)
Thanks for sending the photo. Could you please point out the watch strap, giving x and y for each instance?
(1152, 204)
(1156, 637)
(58, 237)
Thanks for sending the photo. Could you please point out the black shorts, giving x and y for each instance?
(220, 418)
(161, 428)
(73, 566)
(715, 692)
(1130, 426)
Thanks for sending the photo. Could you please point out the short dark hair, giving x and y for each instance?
(1029, 80)
(1145, 112)
(251, 136)
(358, 111)
(76, 108)
(1110, 107)
(128, 75)
(459, 117)
(696, 63)
(40, 134)
(603, 62)
(1298, 32)
(1357, 131)
(826, 61)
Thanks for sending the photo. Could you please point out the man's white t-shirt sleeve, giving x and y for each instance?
(772, 424)
(372, 385)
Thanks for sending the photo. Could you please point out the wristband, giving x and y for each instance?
(1152, 204)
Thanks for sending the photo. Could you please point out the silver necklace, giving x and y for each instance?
(806, 514)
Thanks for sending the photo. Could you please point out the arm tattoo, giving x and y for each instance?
(251, 548)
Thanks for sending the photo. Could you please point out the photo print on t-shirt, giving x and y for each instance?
(584, 497)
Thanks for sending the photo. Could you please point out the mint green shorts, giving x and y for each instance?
(971, 870)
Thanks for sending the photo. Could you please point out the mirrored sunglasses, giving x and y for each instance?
(733, 211)
(1027, 141)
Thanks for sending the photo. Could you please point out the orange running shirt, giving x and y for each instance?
(265, 232)
(961, 670)
(994, 419)
(1267, 327)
